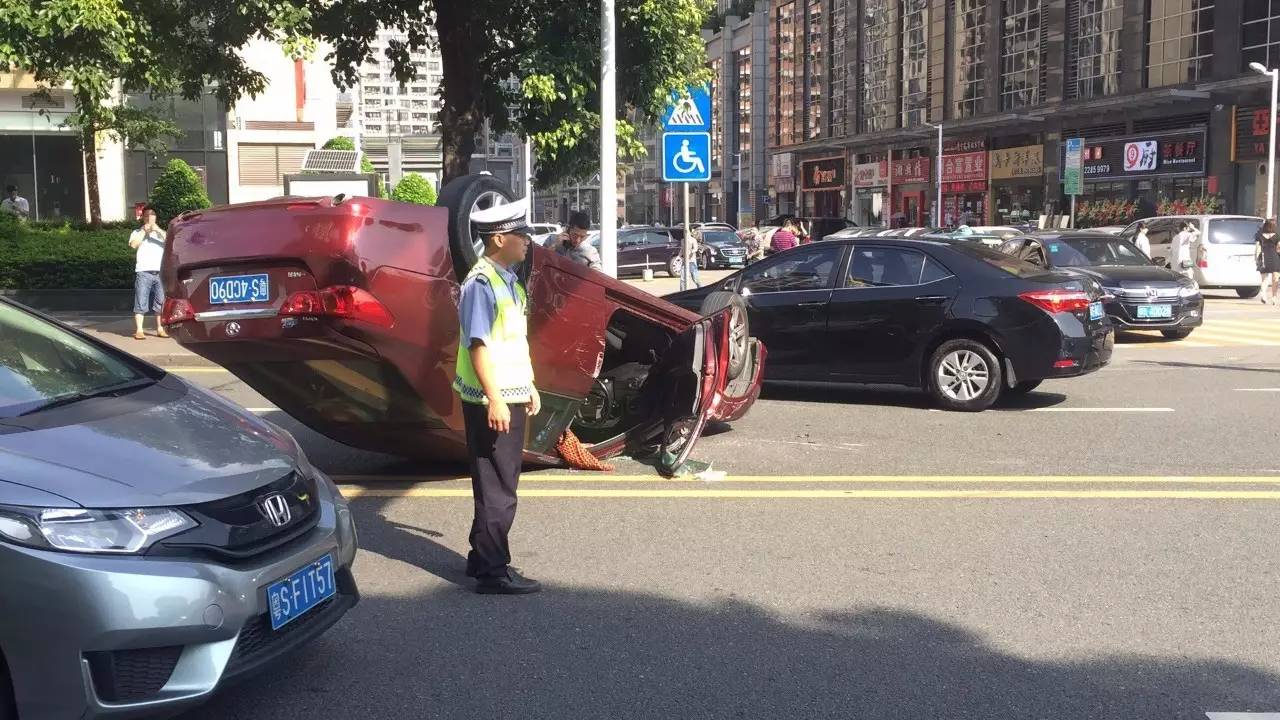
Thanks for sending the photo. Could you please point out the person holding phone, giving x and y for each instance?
(148, 295)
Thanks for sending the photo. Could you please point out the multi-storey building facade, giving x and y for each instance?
(854, 84)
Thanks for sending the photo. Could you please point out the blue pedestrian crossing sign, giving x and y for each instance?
(689, 111)
(686, 157)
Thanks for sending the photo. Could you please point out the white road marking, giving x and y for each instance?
(1257, 389)
(1242, 716)
(1103, 409)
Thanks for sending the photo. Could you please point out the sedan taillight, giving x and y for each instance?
(340, 301)
(1058, 300)
(176, 310)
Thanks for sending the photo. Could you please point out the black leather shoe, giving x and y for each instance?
(513, 584)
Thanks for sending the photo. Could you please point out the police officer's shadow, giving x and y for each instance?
(410, 544)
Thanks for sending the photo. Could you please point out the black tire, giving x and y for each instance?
(1023, 387)
(1177, 334)
(967, 393)
(1247, 293)
(675, 264)
(461, 196)
(739, 328)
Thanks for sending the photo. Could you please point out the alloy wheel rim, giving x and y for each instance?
(486, 200)
(963, 375)
(737, 336)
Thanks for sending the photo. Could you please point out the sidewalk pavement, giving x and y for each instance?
(117, 329)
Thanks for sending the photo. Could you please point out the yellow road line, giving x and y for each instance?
(815, 494)
(409, 480)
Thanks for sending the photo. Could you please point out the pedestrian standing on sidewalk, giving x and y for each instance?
(14, 203)
(690, 248)
(1141, 239)
(148, 295)
(1268, 261)
(784, 238)
(1180, 250)
(494, 378)
(572, 243)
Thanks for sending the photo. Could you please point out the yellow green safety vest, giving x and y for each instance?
(508, 344)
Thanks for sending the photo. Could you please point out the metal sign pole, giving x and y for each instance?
(684, 245)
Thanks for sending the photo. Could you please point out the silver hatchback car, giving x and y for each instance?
(156, 541)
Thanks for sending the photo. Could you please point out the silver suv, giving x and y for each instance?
(156, 541)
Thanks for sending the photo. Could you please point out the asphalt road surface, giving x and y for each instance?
(1103, 548)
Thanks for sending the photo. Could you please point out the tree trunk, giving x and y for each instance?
(461, 113)
(88, 146)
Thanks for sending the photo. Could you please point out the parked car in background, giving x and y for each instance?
(1223, 255)
(344, 314)
(1140, 295)
(543, 233)
(157, 542)
(721, 249)
(1108, 229)
(712, 226)
(966, 323)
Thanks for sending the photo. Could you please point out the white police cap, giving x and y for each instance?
(508, 218)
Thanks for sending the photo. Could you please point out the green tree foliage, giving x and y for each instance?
(106, 50)
(177, 190)
(346, 143)
(413, 188)
(529, 66)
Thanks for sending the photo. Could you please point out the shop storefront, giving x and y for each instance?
(870, 201)
(822, 187)
(1146, 168)
(1249, 153)
(964, 182)
(782, 183)
(912, 192)
(1017, 184)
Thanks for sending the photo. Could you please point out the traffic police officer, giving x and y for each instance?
(495, 381)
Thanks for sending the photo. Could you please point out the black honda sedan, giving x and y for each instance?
(962, 321)
(1139, 295)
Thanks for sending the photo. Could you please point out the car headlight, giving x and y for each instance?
(1189, 290)
(91, 531)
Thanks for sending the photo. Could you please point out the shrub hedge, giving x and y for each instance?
(46, 256)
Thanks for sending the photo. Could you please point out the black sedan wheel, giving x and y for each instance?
(964, 375)
(739, 328)
(675, 265)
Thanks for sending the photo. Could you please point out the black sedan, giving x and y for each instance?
(721, 249)
(1140, 295)
(965, 322)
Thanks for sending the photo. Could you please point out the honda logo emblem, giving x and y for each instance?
(1153, 293)
(276, 509)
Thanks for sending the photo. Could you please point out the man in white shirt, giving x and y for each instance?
(148, 295)
(14, 203)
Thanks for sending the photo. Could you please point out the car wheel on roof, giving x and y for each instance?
(739, 328)
(964, 375)
(462, 197)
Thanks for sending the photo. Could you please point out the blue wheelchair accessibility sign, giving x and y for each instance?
(686, 157)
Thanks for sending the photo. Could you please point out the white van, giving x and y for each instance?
(1223, 253)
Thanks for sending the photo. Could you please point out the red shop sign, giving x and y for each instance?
(911, 170)
(965, 167)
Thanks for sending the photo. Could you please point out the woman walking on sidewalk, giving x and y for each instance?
(1268, 261)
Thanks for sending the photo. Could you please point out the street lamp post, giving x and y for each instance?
(608, 142)
(1271, 147)
(737, 158)
(937, 212)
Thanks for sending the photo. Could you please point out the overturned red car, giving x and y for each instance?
(343, 313)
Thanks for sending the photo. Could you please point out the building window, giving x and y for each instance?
(915, 62)
(1261, 38)
(877, 93)
(785, 75)
(717, 136)
(1019, 54)
(1179, 41)
(261, 164)
(1098, 48)
(815, 76)
(743, 121)
(970, 43)
(838, 72)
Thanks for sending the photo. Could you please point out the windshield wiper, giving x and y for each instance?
(105, 391)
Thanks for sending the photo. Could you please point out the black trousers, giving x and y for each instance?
(495, 473)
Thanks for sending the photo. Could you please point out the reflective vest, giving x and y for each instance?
(508, 344)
